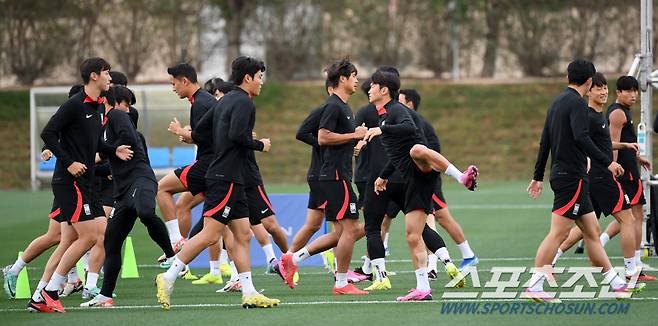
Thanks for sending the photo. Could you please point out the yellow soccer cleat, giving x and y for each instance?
(209, 279)
(377, 285)
(225, 269)
(295, 278)
(454, 273)
(164, 289)
(258, 300)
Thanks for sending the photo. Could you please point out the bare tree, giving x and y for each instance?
(235, 12)
(180, 26)
(494, 11)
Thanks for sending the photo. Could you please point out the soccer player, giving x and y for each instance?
(43, 242)
(418, 165)
(606, 193)
(622, 129)
(190, 178)
(135, 187)
(566, 137)
(73, 134)
(232, 122)
(411, 99)
(338, 134)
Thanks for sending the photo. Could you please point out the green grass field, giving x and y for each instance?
(502, 224)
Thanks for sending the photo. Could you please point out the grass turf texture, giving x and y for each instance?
(499, 220)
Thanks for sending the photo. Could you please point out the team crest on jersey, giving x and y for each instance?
(576, 208)
(227, 210)
(352, 208)
(87, 209)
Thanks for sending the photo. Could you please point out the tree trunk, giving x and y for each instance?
(491, 47)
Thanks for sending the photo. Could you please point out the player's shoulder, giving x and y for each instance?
(205, 99)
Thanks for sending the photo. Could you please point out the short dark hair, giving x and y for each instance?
(75, 89)
(90, 65)
(365, 86)
(242, 66)
(390, 69)
(119, 78)
(579, 71)
(627, 83)
(598, 80)
(122, 94)
(412, 95)
(218, 84)
(110, 96)
(327, 84)
(183, 70)
(342, 68)
(389, 80)
(134, 116)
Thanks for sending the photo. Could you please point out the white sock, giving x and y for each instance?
(604, 238)
(37, 293)
(380, 268)
(432, 261)
(367, 264)
(454, 172)
(386, 240)
(234, 272)
(422, 282)
(630, 266)
(85, 260)
(638, 258)
(92, 280)
(174, 231)
(443, 255)
(341, 280)
(300, 256)
(615, 281)
(269, 252)
(72, 276)
(223, 257)
(557, 256)
(17, 266)
(537, 282)
(55, 282)
(246, 283)
(214, 267)
(176, 267)
(465, 249)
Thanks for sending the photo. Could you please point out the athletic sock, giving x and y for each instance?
(615, 281)
(630, 266)
(367, 265)
(454, 172)
(432, 261)
(604, 238)
(465, 249)
(638, 258)
(536, 283)
(300, 256)
(223, 257)
(214, 267)
(386, 240)
(380, 268)
(85, 259)
(234, 272)
(72, 275)
(55, 282)
(91, 281)
(443, 255)
(269, 252)
(247, 284)
(557, 256)
(174, 231)
(17, 266)
(176, 267)
(422, 282)
(341, 280)
(37, 294)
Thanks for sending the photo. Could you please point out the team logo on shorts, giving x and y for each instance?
(352, 208)
(227, 210)
(576, 208)
(111, 213)
(628, 201)
(87, 209)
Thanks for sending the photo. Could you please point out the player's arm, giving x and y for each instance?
(238, 130)
(542, 154)
(305, 132)
(328, 122)
(203, 128)
(632, 146)
(617, 122)
(125, 131)
(432, 139)
(580, 130)
(400, 123)
(50, 133)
